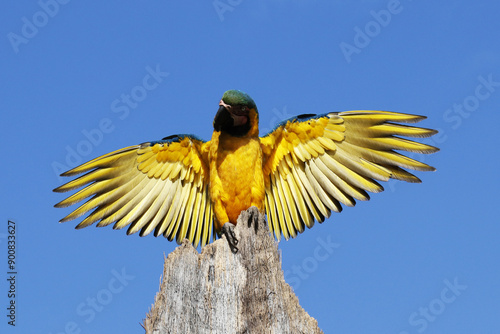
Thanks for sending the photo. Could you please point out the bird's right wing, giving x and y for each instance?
(159, 186)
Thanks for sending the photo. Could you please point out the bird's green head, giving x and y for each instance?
(237, 97)
(237, 114)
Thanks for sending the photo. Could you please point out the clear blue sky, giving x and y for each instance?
(418, 258)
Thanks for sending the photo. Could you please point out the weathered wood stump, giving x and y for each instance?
(221, 292)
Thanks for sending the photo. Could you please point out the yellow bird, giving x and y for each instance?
(309, 165)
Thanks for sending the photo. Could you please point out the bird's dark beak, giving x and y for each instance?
(222, 119)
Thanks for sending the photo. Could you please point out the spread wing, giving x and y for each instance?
(160, 186)
(315, 163)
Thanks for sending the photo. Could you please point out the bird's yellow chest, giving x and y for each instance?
(236, 170)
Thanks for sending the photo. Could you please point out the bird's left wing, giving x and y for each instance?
(160, 186)
(315, 163)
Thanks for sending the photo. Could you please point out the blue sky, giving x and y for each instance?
(81, 79)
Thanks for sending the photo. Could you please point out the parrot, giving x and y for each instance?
(309, 165)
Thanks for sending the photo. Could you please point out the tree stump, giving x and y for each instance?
(221, 292)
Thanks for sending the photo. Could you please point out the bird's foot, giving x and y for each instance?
(228, 231)
(253, 219)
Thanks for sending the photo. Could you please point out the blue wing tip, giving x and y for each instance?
(175, 139)
(298, 118)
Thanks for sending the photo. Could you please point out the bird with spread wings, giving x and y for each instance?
(308, 166)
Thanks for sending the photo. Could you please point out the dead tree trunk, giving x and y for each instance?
(221, 292)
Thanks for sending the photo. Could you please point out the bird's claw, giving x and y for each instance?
(228, 231)
(254, 217)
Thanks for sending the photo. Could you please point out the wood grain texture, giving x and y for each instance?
(221, 292)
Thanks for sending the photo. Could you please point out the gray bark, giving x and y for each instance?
(221, 292)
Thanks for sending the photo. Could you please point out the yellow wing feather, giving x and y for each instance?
(160, 186)
(315, 163)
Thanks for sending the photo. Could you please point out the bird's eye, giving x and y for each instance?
(244, 108)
